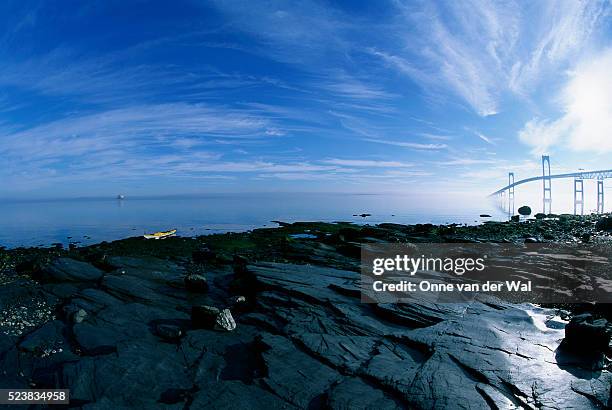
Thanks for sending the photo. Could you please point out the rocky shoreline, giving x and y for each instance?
(272, 319)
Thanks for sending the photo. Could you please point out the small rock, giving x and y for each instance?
(168, 332)
(485, 215)
(540, 215)
(79, 316)
(586, 238)
(238, 303)
(531, 240)
(225, 321)
(515, 218)
(524, 210)
(238, 300)
(196, 283)
(586, 334)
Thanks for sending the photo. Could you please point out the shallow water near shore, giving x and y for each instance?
(87, 221)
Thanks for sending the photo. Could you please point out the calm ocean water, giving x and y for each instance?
(88, 221)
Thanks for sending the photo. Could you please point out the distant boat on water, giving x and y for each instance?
(120, 196)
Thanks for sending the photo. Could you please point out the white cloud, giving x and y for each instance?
(563, 28)
(485, 138)
(412, 145)
(586, 102)
(468, 161)
(368, 163)
(480, 50)
(132, 128)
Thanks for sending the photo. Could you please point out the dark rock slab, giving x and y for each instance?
(95, 299)
(231, 395)
(353, 394)
(70, 270)
(130, 288)
(135, 376)
(477, 354)
(294, 376)
(94, 340)
(45, 339)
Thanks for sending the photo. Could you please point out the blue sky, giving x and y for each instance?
(146, 97)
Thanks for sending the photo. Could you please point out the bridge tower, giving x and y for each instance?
(600, 195)
(578, 195)
(511, 194)
(546, 180)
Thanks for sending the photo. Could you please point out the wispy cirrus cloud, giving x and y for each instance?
(411, 145)
(486, 139)
(368, 163)
(481, 49)
(167, 138)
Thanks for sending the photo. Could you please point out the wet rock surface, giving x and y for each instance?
(281, 326)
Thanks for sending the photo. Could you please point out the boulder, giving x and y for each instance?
(515, 218)
(70, 270)
(225, 321)
(524, 210)
(540, 215)
(604, 224)
(531, 240)
(210, 317)
(196, 283)
(168, 332)
(585, 334)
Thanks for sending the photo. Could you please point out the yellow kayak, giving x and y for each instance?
(160, 235)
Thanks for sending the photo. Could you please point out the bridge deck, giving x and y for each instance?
(604, 174)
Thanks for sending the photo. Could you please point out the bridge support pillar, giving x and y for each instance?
(547, 185)
(578, 195)
(510, 194)
(600, 196)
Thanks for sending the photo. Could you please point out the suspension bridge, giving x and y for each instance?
(547, 178)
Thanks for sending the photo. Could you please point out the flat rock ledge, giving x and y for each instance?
(305, 341)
